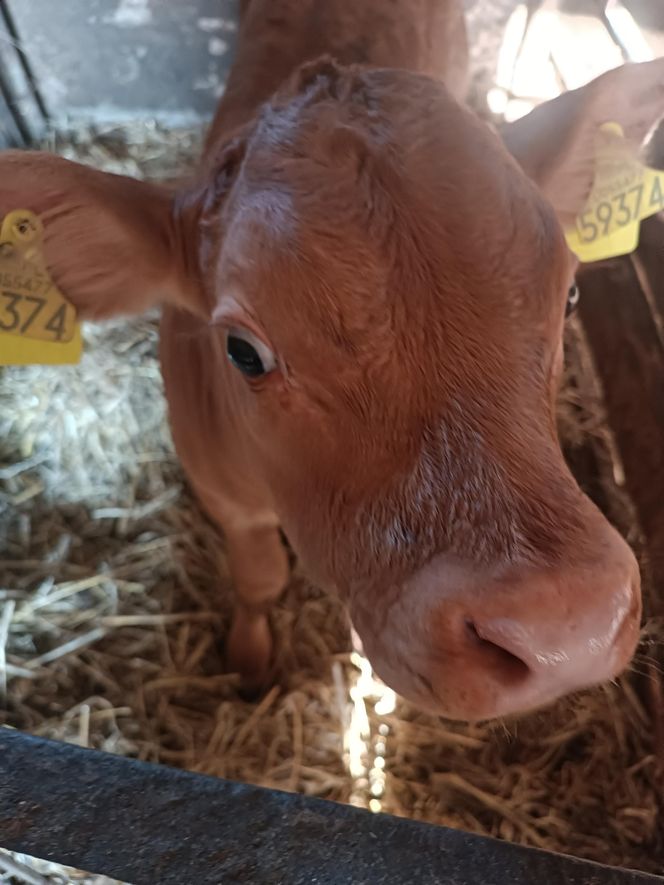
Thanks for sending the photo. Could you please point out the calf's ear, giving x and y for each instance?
(555, 143)
(113, 245)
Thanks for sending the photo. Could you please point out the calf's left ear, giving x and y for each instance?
(112, 244)
(555, 143)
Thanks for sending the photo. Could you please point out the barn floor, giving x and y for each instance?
(114, 601)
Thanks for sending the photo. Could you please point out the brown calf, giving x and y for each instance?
(361, 342)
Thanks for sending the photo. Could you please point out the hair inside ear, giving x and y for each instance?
(227, 166)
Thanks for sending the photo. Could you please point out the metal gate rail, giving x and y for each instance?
(152, 825)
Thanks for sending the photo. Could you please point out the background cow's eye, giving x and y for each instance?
(572, 300)
(248, 353)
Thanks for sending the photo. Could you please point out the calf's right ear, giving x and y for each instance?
(113, 245)
(555, 144)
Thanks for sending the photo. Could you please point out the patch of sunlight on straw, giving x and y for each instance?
(364, 747)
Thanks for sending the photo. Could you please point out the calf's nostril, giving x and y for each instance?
(504, 664)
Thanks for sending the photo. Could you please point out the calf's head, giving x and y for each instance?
(390, 289)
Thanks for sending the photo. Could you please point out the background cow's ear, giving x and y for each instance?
(112, 244)
(555, 143)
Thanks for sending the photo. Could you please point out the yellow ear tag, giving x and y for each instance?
(624, 193)
(37, 324)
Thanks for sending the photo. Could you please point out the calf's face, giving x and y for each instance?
(390, 289)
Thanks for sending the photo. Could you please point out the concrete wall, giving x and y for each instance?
(110, 61)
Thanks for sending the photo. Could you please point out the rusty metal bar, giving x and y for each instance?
(629, 355)
(23, 116)
(152, 825)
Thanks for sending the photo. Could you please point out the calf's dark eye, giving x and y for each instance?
(572, 300)
(249, 354)
(244, 357)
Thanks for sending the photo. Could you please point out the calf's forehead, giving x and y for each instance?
(431, 228)
(426, 275)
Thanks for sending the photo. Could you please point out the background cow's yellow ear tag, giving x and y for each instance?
(37, 324)
(624, 193)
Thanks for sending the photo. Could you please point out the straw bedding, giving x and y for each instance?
(114, 600)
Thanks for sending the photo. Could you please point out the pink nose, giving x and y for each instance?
(520, 657)
(486, 645)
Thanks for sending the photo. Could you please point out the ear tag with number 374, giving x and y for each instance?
(37, 324)
(624, 192)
